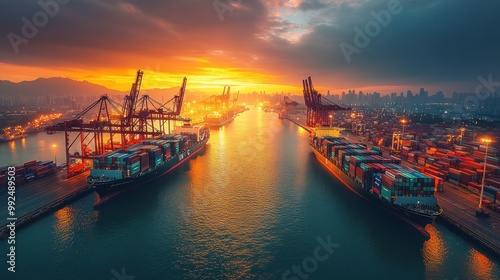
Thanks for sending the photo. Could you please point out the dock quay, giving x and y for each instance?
(459, 208)
(42, 196)
(295, 121)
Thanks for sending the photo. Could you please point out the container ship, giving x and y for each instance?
(219, 120)
(123, 169)
(380, 179)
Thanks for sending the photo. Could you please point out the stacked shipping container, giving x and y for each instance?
(145, 155)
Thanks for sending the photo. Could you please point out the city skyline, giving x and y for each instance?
(483, 85)
(270, 46)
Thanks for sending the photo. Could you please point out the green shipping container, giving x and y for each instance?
(386, 193)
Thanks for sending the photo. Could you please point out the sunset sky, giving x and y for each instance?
(253, 45)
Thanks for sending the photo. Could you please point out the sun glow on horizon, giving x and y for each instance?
(201, 79)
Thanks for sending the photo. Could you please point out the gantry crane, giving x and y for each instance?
(219, 103)
(104, 122)
(131, 99)
(286, 103)
(217, 100)
(318, 108)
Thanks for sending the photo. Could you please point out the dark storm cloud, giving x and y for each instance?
(312, 5)
(104, 30)
(441, 41)
(427, 42)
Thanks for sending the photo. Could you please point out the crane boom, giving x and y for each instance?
(131, 99)
(177, 106)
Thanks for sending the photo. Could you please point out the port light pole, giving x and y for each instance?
(462, 131)
(480, 212)
(403, 122)
(55, 158)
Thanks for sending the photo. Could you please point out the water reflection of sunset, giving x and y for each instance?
(226, 206)
(434, 251)
(479, 265)
(64, 223)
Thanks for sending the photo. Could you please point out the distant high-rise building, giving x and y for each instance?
(423, 93)
(439, 97)
(376, 98)
(409, 94)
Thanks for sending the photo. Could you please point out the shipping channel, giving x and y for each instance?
(254, 205)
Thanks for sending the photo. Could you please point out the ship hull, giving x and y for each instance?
(221, 122)
(419, 220)
(108, 190)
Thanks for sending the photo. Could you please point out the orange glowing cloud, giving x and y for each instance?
(255, 46)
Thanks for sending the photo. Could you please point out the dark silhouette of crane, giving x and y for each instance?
(221, 104)
(286, 103)
(218, 101)
(106, 126)
(131, 99)
(318, 107)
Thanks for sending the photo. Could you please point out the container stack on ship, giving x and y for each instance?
(122, 169)
(381, 179)
(131, 145)
(440, 150)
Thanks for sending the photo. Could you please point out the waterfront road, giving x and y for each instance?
(459, 207)
(48, 192)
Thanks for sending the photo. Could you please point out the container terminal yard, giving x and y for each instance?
(454, 160)
(219, 158)
(422, 163)
(108, 127)
(453, 156)
(43, 195)
(459, 203)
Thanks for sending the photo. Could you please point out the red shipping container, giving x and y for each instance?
(360, 173)
(475, 186)
(19, 181)
(478, 154)
(492, 182)
(387, 181)
(352, 169)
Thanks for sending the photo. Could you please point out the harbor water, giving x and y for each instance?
(255, 204)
